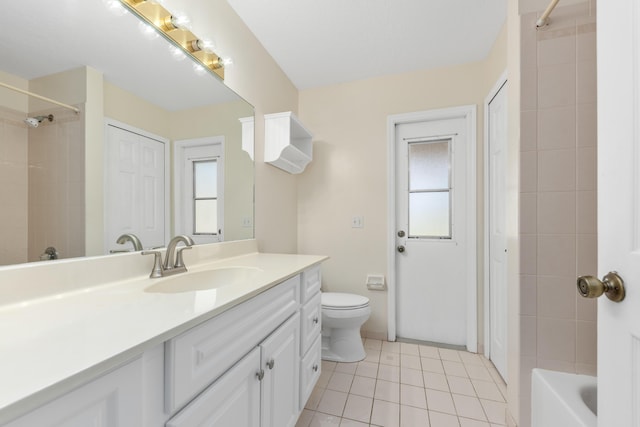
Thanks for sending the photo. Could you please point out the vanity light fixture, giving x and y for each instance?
(174, 28)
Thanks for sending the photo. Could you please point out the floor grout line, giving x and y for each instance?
(476, 367)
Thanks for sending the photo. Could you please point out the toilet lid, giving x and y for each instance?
(338, 300)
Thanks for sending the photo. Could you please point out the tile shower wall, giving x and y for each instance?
(13, 191)
(56, 185)
(557, 194)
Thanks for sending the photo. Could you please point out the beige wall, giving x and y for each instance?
(258, 79)
(348, 175)
(558, 238)
(223, 119)
(125, 107)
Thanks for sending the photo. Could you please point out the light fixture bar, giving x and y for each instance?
(163, 21)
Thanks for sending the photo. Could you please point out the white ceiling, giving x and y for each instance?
(323, 42)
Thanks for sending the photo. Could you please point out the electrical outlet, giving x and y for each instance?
(357, 222)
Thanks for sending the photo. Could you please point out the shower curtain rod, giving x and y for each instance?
(43, 98)
(544, 19)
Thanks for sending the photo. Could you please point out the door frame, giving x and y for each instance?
(179, 148)
(468, 113)
(502, 80)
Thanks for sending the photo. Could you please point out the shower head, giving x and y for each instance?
(33, 122)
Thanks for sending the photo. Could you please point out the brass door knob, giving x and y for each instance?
(611, 285)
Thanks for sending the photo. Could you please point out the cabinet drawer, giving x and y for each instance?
(197, 357)
(311, 280)
(310, 368)
(311, 322)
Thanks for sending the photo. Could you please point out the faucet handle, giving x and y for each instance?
(179, 261)
(157, 270)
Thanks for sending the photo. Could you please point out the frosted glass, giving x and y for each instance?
(429, 165)
(206, 217)
(429, 214)
(205, 179)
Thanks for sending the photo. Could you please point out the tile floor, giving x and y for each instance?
(407, 385)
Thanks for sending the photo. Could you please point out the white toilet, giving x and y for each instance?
(342, 317)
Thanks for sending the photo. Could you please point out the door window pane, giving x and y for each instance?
(206, 216)
(429, 165)
(429, 214)
(205, 177)
(430, 189)
(205, 193)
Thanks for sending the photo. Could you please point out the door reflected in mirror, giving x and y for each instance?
(57, 190)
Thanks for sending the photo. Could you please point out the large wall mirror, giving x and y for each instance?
(68, 177)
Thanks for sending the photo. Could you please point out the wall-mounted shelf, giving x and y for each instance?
(287, 143)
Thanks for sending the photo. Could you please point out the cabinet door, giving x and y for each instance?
(280, 385)
(233, 400)
(114, 400)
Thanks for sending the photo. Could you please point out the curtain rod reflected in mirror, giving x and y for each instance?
(40, 97)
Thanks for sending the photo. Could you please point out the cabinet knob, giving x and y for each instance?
(260, 375)
(316, 320)
(315, 368)
(270, 363)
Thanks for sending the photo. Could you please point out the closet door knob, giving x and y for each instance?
(400, 248)
(611, 285)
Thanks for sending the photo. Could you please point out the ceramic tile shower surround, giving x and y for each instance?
(557, 194)
(56, 185)
(13, 191)
(42, 173)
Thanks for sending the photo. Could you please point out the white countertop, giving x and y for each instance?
(52, 344)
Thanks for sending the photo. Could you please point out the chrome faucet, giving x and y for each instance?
(170, 266)
(129, 237)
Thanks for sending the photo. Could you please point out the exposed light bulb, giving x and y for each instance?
(207, 45)
(226, 61)
(181, 20)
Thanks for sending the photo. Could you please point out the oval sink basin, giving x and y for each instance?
(204, 280)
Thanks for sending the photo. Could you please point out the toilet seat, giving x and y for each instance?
(342, 301)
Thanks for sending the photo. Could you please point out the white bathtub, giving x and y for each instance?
(563, 400)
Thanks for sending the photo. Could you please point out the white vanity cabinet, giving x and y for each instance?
(310, 344)
(124, 397)
(253, 365)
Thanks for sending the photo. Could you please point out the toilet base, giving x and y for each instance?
(343, 345)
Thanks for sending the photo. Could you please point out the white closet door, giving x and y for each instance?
(134, 188)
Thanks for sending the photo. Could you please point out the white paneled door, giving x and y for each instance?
(496, 220)
(135, 200)
(619, 210)
(434, 277)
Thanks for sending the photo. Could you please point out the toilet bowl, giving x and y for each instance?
(342, 317)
